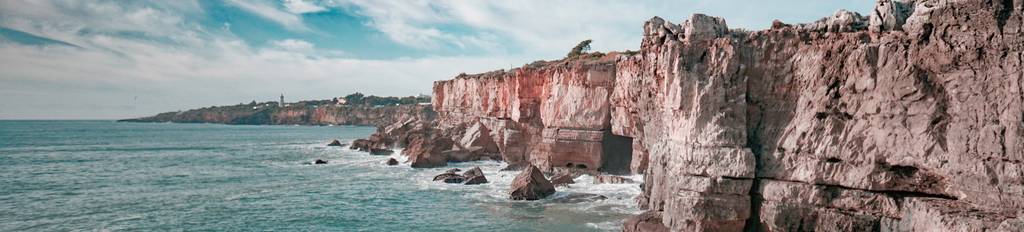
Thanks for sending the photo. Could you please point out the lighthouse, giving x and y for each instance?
(281, 103)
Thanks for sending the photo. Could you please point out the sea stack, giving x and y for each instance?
(530, 185)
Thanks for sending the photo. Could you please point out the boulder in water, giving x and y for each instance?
(563, 179)
(381, 151)
(360, 144)
(453, 170)
(475, 180)
(335, 143)
(530, 185)
(450, 177)
(475, 171)
(475, 176)
(392, 162)
(579, 198)
(442, 176)
(320, 161)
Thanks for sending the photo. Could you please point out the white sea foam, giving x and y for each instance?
(494, 195)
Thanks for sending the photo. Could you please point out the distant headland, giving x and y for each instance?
(352, 109)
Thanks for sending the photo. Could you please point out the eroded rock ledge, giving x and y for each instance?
(908, 119)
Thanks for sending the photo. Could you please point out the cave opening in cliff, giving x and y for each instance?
(617, 154)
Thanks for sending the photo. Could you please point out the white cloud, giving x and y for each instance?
(294, 45)
(182, 65)
(548, 28)
(302, 6)
(268, 11)
(102, 83)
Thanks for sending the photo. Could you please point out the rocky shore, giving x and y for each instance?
(908, 119)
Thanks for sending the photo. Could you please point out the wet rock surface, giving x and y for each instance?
(573, 198)
(530, 184)
(335, 143)
(562, 179)
(392, 162)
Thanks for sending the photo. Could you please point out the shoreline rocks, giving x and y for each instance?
(530, 185)
(908, 119)
(392, 162)
(320, 161)
(475, 176)
(562, 179)
(335, 143)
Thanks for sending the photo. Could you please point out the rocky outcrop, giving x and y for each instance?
(912, 122)
(909, 118)
(334, 143)
(552, 114)
(392, 162)
(530, 185)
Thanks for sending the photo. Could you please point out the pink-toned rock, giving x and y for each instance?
(563, 179)
(909, 119)
(649, 221)
(530, 185)
(426, 151)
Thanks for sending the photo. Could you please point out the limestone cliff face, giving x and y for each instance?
(909, 119)
(554, 114)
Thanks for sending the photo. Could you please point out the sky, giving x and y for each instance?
(94, 59)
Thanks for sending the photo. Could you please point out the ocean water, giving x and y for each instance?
(109, 176)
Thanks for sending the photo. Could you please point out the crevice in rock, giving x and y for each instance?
(753, 222)
(1003, 14)
(896, 194)
(926, 34)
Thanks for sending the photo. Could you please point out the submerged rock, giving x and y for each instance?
(530, 185)
(392, 162)
(381, 151)
(335, 143)
(572, 198)
(320, 161)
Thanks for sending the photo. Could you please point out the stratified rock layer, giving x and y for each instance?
(909, 119)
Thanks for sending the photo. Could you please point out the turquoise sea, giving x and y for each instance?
(110, 176)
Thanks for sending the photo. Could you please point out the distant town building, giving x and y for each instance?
(341, 101)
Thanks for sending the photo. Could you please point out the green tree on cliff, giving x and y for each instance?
(582, 48)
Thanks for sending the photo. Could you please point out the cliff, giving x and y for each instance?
(909, 119)
(294, 114)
